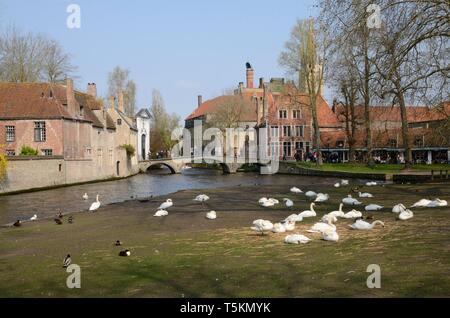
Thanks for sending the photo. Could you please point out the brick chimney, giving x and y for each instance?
(120, 105)
(92, 89)
(199, 100)
(249, 73)
(70, 96)
(111, 102)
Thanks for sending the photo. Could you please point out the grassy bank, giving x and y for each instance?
(380, 168)
(186, 255)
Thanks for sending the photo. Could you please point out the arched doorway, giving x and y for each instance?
(143, 143)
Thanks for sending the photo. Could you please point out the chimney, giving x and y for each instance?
(249, 76)
(261, 82)
(111, 102)
(120, 103)
(199, 100)
(70, 96)
(92, 89)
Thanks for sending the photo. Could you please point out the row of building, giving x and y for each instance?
(279, 106)
(74, 136)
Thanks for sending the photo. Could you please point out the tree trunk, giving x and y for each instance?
(319, 160)
(404, 117)
(367, 125)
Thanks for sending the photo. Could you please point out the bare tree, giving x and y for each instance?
(56, 64)
(118, 81)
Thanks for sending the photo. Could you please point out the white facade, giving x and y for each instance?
(143, 123)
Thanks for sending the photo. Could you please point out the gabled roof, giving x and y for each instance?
(127, 120)
(143, 113)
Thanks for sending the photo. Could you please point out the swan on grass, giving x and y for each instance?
(365, 195)
(85, 196)
(296, 239)
(421, 203)
(293, 217)
(268, 202)
(289, 226)
(337, 185)
(33, 218)
(344, 182)
(311, 194)
(405, 215)
(308, 213)
(160, 213)
(373, 207)
(322, 197)
(353, 214)
(94, 206)
(296, 190)
(321, 227)
(201, 198)
(371, 183)
(398, 208)
(330, 235)
(436, 203)
(349, 200)
(278, 228)
(166, 205)
(339, 213)
(363, 225)
(211, 215)
(262, 226)
(288, 203)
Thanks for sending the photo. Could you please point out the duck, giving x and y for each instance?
(421, 203)
(278, 228)
(373, 207)
(18, 223)
(349, 200)
(125, 253)
(436, 203)
(160, 213)
(353, 214)
(118, 243)
(166, 205)
(344, 182)
(321, 197)
(289, 226)
(405, 215)
(363, 225)
(67, 261)
(296, 190)
(308, 213)
(262, 226)
(201, 198)
(211, 215)
(296, 239)
(398, 208)
(58, 221)
(70, 219)
(85, 196)
(293, 217)
(311, 194)
(60, 215)
(33, 218)
(94, 206)
(365, 195)
(288, 203)
(320, 227)
(330, 235)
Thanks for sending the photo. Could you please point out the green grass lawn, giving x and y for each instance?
(380, 168)
(185, 255)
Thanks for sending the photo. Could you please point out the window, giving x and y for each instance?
(10, 152)
(339, 144)
(296, 114)
(299, 145)
(287, 149)
(274, 149)
(274, 131)
(286, 131)
(418, 142)
(47, 152)
(81, 111)
(298, 131)
(282, 114)
(392, 143)
(10, 133)
(99, 156)
(39, 131)
(119, 121)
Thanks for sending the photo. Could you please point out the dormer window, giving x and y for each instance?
(119, 121)
(81, 111)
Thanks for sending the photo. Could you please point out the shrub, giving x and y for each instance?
(3, 166)
(129, 149)
(28, 151)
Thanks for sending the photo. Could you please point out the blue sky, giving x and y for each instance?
(182, 48)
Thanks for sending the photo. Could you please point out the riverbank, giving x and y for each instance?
(186, 255)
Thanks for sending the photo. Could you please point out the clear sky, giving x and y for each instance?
(183, 48)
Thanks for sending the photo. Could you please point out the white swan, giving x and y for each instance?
(308, 213)
(33, 218)
(436, 203)
(296, 239)
(405, 215)
(160, 213)
(321, 227)
(201, 198)
(293, 217)
(373, 207)
(339, 213)
(350, 201)
(421, 203)
(166, 205)
(321, 197)
(363, 225)
(344, 182)
(289, 226)
(330, 235)
(337, 185)
(212, 215)
(398, 208)
(311, 194)
(371, 183)
(288, 203)
(278, 228)
(262, 226)
(353, 214)
(85, 196)
(94, 206)
(296, 190)
(365, 195)
(266, 202)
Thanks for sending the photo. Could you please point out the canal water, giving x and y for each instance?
(69, 199)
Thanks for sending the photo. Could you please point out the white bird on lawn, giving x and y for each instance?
(296, 239)
(365, 195)
(160, 213)
(166, 205)
(278, 228)
(33, 218)
(337, 185)
(201, 198)
(85, 196)
(311, 194)
(296, 190)
(293, 217)
(363, 225)
(373, 207)
(308, 213)
(94, 206)
(321, 197)
(405, 215)
(262, 226)
(350, 201)
(437, 203)
(289, 226)
(267, 202)
(344, 182)
(321, 227)
(371, 183)
(353, 214)
(421, 203)
(288, 203)
(339, 213)
(212, 215)
(398, 208)
(330, 235)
